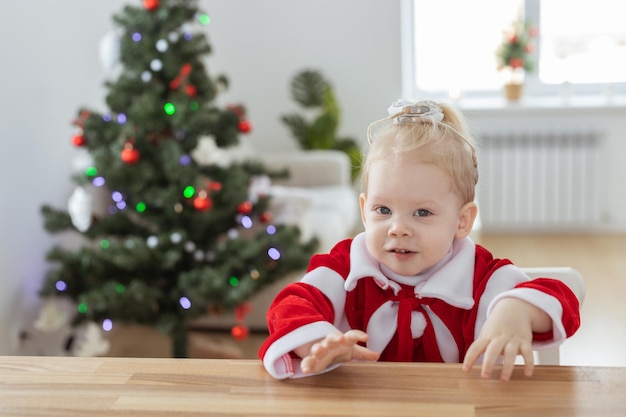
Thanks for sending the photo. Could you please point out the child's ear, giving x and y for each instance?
(362, 205)
(467, 216)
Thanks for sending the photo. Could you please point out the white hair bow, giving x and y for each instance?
(404, 111)
(424, 109)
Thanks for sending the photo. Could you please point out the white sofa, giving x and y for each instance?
(318, 196)
(320, 199)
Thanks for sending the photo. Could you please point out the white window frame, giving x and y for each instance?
(533, 87)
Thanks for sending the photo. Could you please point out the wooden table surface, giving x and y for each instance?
(69, 386)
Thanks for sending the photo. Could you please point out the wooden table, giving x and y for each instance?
(61, 386)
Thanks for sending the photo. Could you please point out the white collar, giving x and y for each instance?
(451, 280)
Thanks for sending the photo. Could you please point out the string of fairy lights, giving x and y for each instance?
(119, 203)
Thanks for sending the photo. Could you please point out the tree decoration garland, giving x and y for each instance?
(181, 78)
(184, 72)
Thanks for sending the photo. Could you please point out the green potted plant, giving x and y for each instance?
(318, 130)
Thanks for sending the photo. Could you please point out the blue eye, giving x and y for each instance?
(423, 213)
(383, 210)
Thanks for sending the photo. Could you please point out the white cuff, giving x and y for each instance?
(278, 361)
(549, 304)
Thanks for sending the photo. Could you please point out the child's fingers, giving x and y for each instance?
(529, 359)
(495, 349)
(335, 348)
(319, 349)
(361, 353)
(319, 359)
(310, 365)
(355, 336)
(472, 354)
(508, 361)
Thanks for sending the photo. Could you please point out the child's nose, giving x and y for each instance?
(399, 227)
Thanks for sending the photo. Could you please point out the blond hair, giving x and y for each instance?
(445, 144)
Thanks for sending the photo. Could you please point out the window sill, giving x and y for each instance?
(535, 104)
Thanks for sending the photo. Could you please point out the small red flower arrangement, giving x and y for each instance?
(516, 49)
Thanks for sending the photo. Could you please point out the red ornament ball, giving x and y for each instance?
(191, 90)
(202, 203)
(265, 216)
(240, 332)
(245, 207)
(79, 140)
(150, 4)
(244, 126)
(130, 155)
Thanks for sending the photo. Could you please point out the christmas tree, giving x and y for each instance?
(181, 232)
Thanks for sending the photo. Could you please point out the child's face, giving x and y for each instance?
(411, 215)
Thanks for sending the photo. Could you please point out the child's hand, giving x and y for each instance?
(336, 348)
(508, 331)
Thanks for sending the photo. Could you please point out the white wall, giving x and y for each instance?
(355, 43)
(50, 67)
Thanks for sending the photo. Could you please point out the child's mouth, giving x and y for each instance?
(401, 251)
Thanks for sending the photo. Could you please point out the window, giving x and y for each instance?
(451, 44)
(589, 46)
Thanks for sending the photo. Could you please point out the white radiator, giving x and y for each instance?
(540, 180)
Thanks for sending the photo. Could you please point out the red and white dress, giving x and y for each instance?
(432, 317)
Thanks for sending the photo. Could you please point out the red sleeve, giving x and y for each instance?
(300, 304)
(567, 298)
(296, 305)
